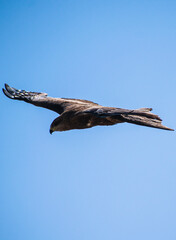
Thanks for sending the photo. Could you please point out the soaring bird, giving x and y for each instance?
(80, 114)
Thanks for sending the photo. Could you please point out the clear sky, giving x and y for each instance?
(117, 182)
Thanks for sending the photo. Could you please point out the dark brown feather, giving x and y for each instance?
(80, 114)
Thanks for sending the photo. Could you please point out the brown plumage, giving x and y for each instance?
(80, 114)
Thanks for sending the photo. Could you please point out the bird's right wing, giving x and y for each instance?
(39, 99)
(36, 98)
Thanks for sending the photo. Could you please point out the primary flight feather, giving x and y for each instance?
(80, 114)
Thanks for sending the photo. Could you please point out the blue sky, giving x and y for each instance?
(101, 183)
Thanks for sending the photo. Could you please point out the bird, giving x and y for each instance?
(82, 114)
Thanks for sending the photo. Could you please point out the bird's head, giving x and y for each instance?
(51, 130)
(56, 125)
(53, 127)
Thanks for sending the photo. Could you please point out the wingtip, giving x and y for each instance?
(166, 128)
(9, 91)
(6, 85)
(7, 94)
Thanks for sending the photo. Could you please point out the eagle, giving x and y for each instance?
(81, 114)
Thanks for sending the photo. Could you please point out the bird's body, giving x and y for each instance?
(80, 114)
(76, 119)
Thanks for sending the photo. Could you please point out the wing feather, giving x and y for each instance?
(36, 98)
(139, 116)
(39, 99)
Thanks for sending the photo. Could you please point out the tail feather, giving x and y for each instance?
(146, 112)
(151, 120)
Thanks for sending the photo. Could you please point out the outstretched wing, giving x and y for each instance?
(58, 105)
(35, 98)
(141, 116)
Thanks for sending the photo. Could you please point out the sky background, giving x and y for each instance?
(115, 182)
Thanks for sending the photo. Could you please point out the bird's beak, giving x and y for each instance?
(51, 131)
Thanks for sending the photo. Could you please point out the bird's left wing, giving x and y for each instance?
(112, 112)
(141, 116)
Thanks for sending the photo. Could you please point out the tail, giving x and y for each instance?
(144, 117)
